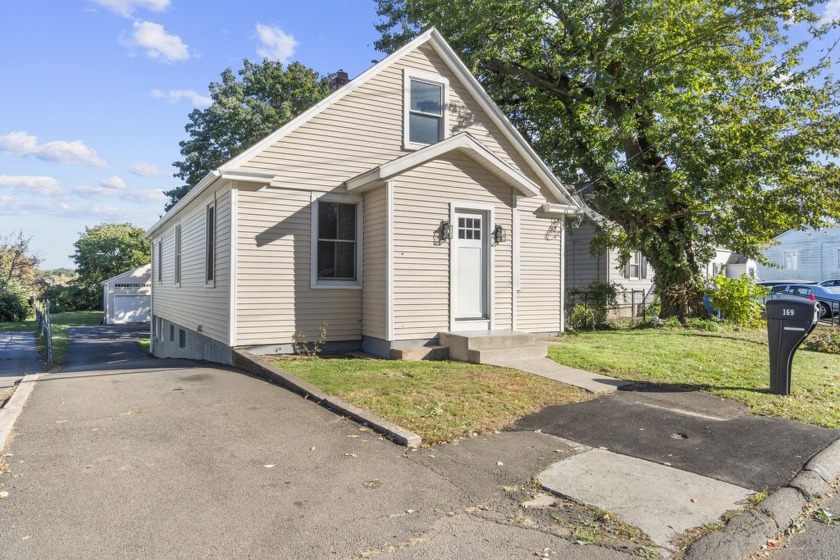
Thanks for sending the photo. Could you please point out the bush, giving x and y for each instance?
(737, 298)
(827, 341)
(599, 298)
(68, 297)
(15, 302)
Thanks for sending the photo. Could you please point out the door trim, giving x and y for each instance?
(489, 211)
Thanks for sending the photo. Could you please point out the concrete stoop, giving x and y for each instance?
(480, 347)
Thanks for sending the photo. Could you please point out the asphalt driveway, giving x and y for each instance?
(125, 456)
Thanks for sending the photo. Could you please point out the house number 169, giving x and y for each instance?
(788, 312)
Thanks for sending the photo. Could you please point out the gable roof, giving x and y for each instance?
(143, 272)
(462, 142)
(456, 65)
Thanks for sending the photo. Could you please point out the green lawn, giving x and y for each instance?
(440, 401)
(733, 364)
(25, 326)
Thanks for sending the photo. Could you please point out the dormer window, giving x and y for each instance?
(425, 109)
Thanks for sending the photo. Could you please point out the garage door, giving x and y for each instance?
(131, 309)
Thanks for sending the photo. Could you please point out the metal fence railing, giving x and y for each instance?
(44, 326)
(589, 309)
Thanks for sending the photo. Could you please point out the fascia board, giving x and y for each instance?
(520, 144)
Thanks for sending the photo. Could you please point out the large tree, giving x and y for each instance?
(689, 124)
(247, 106)
(17, 262)
(103, 252)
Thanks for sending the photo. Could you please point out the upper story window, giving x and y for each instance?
(210, 244)
(160, 261)
(336, 247)
(425, 109)
(790, 260)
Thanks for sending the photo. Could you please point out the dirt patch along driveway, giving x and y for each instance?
(165, 459)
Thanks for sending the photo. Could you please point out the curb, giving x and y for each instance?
(250, 363)
(14, 406)
(746, 533)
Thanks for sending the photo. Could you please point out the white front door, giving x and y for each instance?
(470, 277)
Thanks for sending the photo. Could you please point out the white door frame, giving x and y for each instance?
(489, 219)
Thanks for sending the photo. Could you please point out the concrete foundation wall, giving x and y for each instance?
(174, 341)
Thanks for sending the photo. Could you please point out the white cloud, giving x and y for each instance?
(39, 184)
(159, 44)
(61, 151)
(51, 206)
(831, 12)
(275, 44)
(115, 187)
(175, 95)
(125, 8)
(143, 169)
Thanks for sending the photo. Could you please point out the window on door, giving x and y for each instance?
(469, 228)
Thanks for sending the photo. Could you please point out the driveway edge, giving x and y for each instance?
(747, 532)
(14, 406)
(252, 364)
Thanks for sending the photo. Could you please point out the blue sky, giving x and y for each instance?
(95, 95)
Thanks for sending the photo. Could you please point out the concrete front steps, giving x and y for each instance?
(417, 353)
(480, 347)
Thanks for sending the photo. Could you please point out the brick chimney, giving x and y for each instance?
(339, 79)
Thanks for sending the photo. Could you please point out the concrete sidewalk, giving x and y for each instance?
(548, 368)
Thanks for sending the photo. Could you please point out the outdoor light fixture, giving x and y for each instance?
(499, 234)
(445, 230)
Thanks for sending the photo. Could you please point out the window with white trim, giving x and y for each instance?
(425, 109)
(790, 260)
(178, 255)
(636, 267)
(337, 248)
(210, 244)
(159, 261)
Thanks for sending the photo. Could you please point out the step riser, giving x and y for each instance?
(487, 342)
(418, 353)
(496, 354)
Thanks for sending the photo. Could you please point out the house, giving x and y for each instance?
(803, 255)
(634, 280)
(401, 207)
(127, 296)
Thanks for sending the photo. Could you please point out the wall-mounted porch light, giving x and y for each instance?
(443, 232)
(499, 234)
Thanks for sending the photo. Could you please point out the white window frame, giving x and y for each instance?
(636, 261)
(409, 75)
(210, 251)
(325, 283)
(177, 256)
(159, 255)
(793, 260)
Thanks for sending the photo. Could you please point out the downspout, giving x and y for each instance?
(563, 274)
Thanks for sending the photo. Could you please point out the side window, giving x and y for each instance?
(159, 261)
(777, 289)
(210, 244)
(425, 109)
(177, 255)
(337, 247)
(636, 268)
(790, 260)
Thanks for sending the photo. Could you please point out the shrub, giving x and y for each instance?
(599, 298)
(737, 298)
(827, 341)
(15, 302)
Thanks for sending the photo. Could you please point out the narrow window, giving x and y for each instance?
(182, 338)
(790, 260)
(171, 333)
(210, 244)
(336, 241)
(177, 255)
(425, 115)
(160, 261)
(636, 267)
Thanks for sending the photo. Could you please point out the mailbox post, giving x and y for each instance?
(789, 321)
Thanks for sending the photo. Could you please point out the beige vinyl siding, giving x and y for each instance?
(193, 303)
(365, 129)
(375, 265)
(274, 296)
(539, 294)
(422, 199)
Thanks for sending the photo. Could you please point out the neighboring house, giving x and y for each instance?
(127, 297)
(732, 265)
(402, 206)
(803, 255)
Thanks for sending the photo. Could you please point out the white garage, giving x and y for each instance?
(128, 296)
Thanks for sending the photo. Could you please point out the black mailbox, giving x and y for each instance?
(789, 321)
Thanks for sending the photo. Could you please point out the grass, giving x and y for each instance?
(24, 326)
(733, 364)
(440, 401)
(146, 345)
